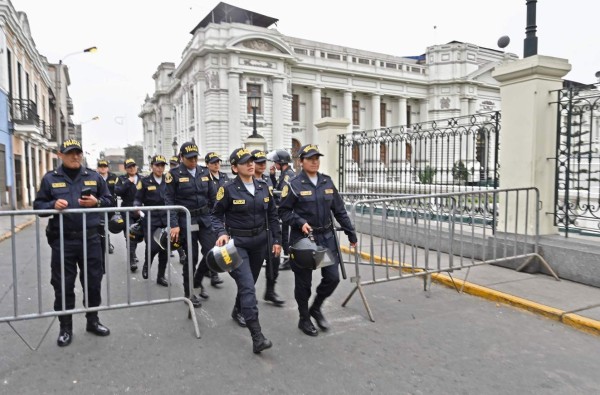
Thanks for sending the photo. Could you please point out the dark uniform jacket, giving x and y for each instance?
(126, 189)
(111, 181)
(245, 214)
(197, 194)
(151, 193)
(284, 177)
(218, 182)
(57, 185)
(302, 202)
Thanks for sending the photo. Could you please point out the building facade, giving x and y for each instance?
(234, 55)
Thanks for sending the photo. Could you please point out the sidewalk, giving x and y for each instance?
(21, 222)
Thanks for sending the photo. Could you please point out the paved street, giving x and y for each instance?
(436, 342)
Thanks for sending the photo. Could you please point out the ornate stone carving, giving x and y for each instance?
(444, 103)
(212, 79)
(259, 45)
(257, 63)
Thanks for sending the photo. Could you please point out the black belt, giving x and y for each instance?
(322, 229)
(72, 235)
(245, 232)
(199, 211)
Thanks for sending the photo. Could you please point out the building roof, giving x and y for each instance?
(227, 13)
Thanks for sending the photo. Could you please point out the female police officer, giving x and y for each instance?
(307, 202)
(246, 205)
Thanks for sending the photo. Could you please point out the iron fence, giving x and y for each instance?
(422, 236)
(454, 154)
(577, 178)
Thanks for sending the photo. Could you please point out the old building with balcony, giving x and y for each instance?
(235, 54)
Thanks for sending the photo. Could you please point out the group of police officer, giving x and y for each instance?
(242, 212)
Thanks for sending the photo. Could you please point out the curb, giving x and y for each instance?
(573, 320)
(18, 228)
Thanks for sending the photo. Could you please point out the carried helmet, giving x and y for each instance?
(116, 224)
(136, 231)
(161, 236)
(306, 254)
(223, 259)
(279, 156)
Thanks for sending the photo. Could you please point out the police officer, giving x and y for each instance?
(213, 164)
(151, 191)
(189, 185)
(110, 179)
(73, 186)
(307, 202)
(282, 160)
(243, 207)
(173, 163)
(260, 165)
(125, 188)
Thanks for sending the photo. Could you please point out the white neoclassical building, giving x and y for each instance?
(234, 54)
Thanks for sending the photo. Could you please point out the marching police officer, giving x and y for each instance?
(213, 164)
(245, 210)
(151, 191)
(111, 179)
(282, 160)
(125, 188)
(189, 185)
(260, 165)
(73, 186)
(307, 202)
(173, 163)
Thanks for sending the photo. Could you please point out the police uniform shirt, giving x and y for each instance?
(285, 176)
(218, 181)
(57, 185)
(126, 189)
(197, 194)
(241, 210)
(302, 202)
(111, 180)
(151, 193)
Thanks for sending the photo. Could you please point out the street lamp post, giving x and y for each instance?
(59, 131)
(254, 103)
(530, 44)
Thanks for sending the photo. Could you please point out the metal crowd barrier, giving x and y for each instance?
(109, 280)
(420, 235)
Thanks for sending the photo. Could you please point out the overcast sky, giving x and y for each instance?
(134, 36)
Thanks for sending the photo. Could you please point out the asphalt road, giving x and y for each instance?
(437, 342)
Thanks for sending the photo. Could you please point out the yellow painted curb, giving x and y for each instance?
(573, 320)
(18, 228)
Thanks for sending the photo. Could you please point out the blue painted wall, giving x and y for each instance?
(6, 138)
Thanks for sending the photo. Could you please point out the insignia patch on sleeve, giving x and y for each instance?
(220, 193)
(284, 191)
(266, 200)
(139, 186)
(168, 178)
(286, 178)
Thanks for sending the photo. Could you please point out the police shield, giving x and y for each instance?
(306, 254)
(161, 236)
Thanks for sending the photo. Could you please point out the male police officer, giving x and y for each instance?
(245, 211)
(189, 185)
(125, 188)
(307, 203)
(73, 186)
(260, 165)
(282, 161)
(151, 191)
(111, 179)
(213, 164)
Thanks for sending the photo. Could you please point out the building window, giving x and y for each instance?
(382, 114)
(355, 112)
(254, 90)
(295, 108)
(191, 106)
(408, 116)
(325, 107)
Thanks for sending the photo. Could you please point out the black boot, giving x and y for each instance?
(133, 263)
(215, 279)
(145, 271)
(271, 295)
(182, 255)
(259, 341)
(238, 317)
(65, 334)
(315, 312)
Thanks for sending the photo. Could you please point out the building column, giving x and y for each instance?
(472, 106)
(233, 88)
(423, 110)
(375, 111)
(348, 110)
(201, 87)
(36, 155)
(464, 106)
(311, 134)
(43, 163)
(24, 194)
(402, 111)
(30, 186)
(277, 132)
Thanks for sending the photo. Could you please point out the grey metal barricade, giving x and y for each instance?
(422, 235)
(110, 304)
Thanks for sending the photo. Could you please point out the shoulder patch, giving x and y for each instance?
(285, 191)
(286, 178)
(220, 193)
(138, 186)
(168, 178)
(266, 200)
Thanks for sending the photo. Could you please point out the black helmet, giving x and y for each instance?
(161, 236)
(116, 224)
(279, 156)
(136, 231)
(223, 259)
(306, 254)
